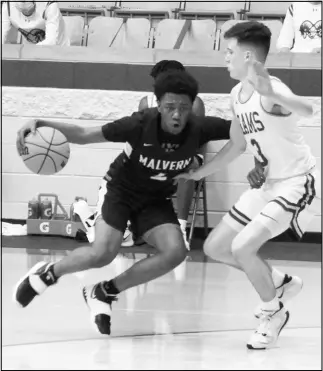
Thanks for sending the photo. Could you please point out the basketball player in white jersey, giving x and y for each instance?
(265, 122)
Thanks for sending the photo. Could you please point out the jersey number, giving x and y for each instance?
(264, 161)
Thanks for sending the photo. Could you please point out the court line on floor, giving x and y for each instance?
(101, 338)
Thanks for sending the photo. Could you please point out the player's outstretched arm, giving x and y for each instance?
(275, 92)
(284, 97)
(73, 133)
(125, 129)
(234, 148)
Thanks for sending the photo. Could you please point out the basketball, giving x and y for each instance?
(46, 152)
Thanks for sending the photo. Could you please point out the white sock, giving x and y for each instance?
(183, 224)
(278, 277)
(270, 305)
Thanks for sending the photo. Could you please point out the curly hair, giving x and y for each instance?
(176, 82)
(166, 65)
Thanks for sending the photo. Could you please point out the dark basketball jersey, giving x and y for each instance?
(148, 164)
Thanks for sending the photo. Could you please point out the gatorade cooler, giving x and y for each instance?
(46, 209)
(33, 209)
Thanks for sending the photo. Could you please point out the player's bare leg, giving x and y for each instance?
(218, 245)
(102, 252)
(171, 251)
(43, 275)
(245, 246)
(240, 250)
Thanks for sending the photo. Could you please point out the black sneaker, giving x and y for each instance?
(34, 283)
(100, 305)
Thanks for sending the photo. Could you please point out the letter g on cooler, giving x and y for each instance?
(48, 213)
(44, 227)
(69, 229)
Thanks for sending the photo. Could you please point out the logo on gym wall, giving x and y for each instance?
(313, 31)
(33, 36)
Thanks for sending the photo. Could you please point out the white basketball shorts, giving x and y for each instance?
(279, 205)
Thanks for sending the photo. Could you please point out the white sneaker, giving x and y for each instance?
(290, 287)
(266, 335)
(127, 239)
(100, 304)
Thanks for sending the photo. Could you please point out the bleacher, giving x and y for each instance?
(185, 25)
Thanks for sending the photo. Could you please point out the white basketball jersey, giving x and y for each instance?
(303, 23)
(35, 28)
(275, 140)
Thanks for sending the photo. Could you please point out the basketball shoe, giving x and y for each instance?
(289, 288)
(272, 323)
(99, 302)
(34, 283)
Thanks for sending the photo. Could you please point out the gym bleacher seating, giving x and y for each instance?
(154, 11)
(134, 34)
(216, 10)
(75, 29)
(86, 10)
(162, 25)
(185, 34)
(267, 10)
(102, 31)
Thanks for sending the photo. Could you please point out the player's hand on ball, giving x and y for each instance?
(29, 127)
(256, 177)
(259, 78)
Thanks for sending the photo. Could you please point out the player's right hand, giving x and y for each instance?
(29, 127)
(256, 177)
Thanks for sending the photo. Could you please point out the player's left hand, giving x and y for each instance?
(259, 78)
(256, 177)
(191, 175)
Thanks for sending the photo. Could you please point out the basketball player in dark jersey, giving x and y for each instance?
(137, 187)
(185, 189)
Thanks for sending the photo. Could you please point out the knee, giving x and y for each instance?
(175, 255)
(100, 256)
(211, 249)
(208, 247)
(217, 250)
(240, 249)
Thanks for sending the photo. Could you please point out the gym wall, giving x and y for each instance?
(91, 88)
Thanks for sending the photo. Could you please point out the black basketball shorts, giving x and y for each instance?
(117, 206)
